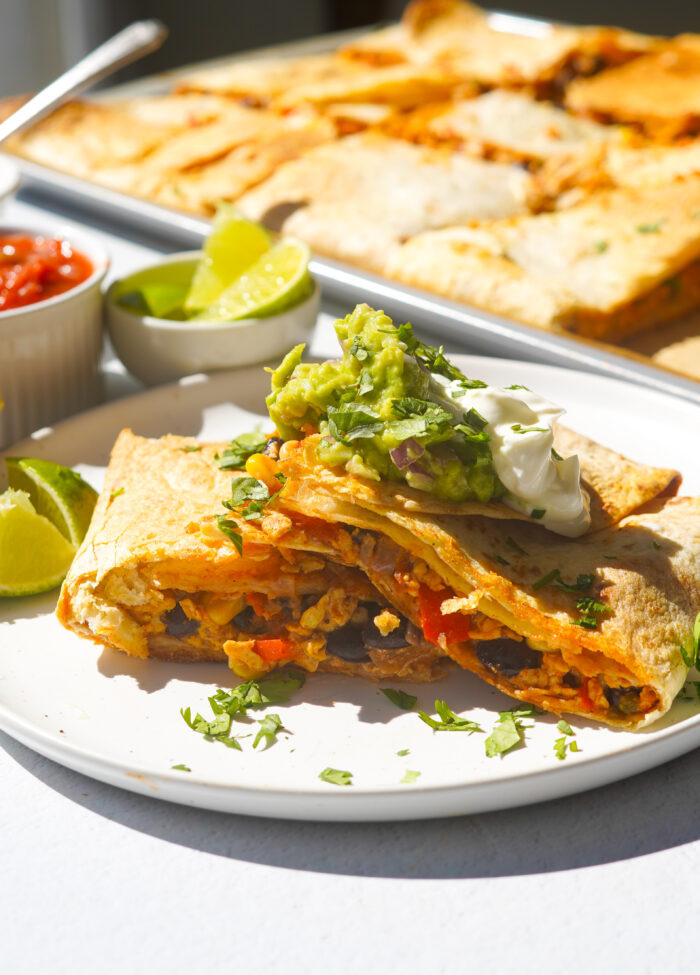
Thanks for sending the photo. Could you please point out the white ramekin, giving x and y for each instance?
(159, 351)
(49, 351)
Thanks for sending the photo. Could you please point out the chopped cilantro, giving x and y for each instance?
(517, 428)
(433, 359)
(500, 559)
(190, 448)
(474, 419)
(216, 730)
(365, 384)
(240, 449)
(466, 384)
(560, 748)
(516, 386)
(508, 730)
(115, 493)
(269, 726)
(449, 721)
(600, 246)
(410, 775)
(403, 752)
(692, 658)
(249, 497)
(336, 776)
(400, 698)
(181, 768)
(257, 694)
(514, 545)
(228, 528)
(353, 421)
(555, 455)
(583, 582)
(649, 228)
(657, 545)
(564, 727)
(538, 513)
(573, 746)
(358, 350)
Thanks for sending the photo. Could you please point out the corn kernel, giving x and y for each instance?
(222, 609)
(264, 469)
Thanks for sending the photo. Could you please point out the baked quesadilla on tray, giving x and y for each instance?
(401, 517)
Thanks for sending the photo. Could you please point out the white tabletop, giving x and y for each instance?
(95, 879)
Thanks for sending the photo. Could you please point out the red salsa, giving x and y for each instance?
(36, 268)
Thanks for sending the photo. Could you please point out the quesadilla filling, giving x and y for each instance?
(338, 623)
(555, 678)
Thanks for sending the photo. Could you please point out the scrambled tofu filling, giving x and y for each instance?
(337, 629)
(556, 678)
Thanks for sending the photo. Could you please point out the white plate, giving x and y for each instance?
(117, 719)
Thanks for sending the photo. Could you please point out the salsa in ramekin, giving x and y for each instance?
(35, 268)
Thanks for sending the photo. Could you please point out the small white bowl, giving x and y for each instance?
(50, 350)
(157, 351)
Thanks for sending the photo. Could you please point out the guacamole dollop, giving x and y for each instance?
(380, 413)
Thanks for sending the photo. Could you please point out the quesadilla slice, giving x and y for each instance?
(158, 577)
(591, 627)
(618, 263)
(485, 48)
(506, 126)
(356, 199)
(658, 92)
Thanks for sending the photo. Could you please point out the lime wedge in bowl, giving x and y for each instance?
(34, 555)
(233, 246)
(57, 493)
(277, 281)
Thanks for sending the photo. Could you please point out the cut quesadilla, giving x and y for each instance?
(156, 576)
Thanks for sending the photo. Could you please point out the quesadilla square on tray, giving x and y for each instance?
(358, 198)
(597, 268)
(398, 520)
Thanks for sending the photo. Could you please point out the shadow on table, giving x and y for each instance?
(645, 814)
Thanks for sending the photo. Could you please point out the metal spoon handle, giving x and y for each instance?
(128, 45)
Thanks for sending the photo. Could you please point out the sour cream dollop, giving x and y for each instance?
(520, 426)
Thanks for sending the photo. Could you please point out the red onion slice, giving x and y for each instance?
(406, 453)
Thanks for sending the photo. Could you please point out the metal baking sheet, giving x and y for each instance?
(456, 324)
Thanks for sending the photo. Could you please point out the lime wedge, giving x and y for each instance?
(34, 555)
(56, 492)
(234, 244)
(278, 280)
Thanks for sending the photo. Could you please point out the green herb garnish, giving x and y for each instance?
(353, 421)
(517, 428)
(228, 528)
(115, 493)
(358, 350)
(600, 246)
(240, 449)
(403, 752)
(500, 560)
(584, 581)
(269, 726)
(555, 455)
(400, 698)
(514, 545)
(181, 768)
(564, 727)
(538, 513)
(508, 731)
(216, 730)
(410, 775)
(449, 721)
(336, 776)
(649, 228)
(190, 448)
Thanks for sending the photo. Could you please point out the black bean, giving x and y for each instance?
(375, 639)
(624, 699)
(272, 447)
(178, 624)
(347, 644)
(572, 679)
(248, 621)
(507, 657)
